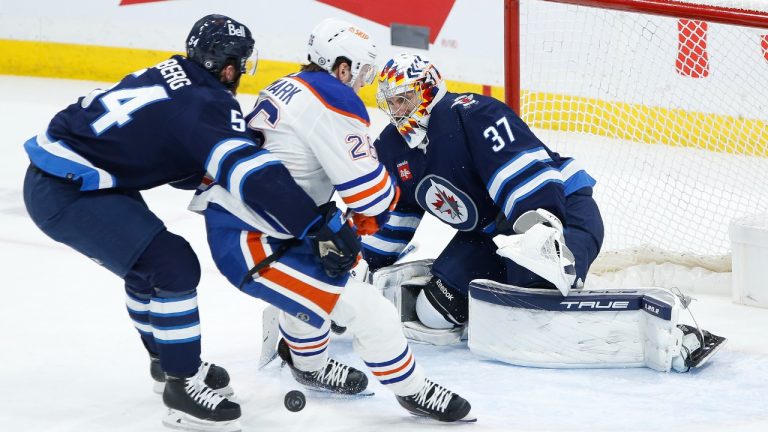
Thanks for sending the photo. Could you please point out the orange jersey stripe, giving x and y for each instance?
(325, 300)
(294, 347)
(329, 106)
(257, 249)
(389, 372)
(368, 192)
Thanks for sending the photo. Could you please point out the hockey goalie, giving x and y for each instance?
(528, 229)
(541, 327)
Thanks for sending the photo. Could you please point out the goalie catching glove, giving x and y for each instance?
(334, 241)
(539, 246)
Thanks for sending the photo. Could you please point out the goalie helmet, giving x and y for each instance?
(409, 86)
(334, 38)
(214, 39)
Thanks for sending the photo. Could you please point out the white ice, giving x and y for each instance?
(70, 359)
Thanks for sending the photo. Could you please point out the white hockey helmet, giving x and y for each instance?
(409, 87)
(334, 38)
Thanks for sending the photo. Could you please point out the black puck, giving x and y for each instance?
(295, 401)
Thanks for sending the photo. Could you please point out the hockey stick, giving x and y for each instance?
(270, 335)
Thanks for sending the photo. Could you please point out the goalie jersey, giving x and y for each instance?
(481, 160)
(171, 123)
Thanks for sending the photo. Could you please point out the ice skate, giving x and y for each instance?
(193, 405)
(333, 377)
(217, 378)
(437, 402)
(697, 348)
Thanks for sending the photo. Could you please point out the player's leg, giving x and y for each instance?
(442, 303)
(117, 230)
(305, 349)
(295, 284)
(378, 338)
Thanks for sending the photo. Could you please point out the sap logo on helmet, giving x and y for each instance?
(599, 304)
(236, 30)
(357, 32)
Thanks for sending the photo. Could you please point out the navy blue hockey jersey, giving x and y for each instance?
(482, 159)
(171, 123)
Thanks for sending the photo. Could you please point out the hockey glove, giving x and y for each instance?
(369, 225)
(334, 241)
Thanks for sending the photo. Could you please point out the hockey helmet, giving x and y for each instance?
(214, 39)
(409, 87)
(334, 38)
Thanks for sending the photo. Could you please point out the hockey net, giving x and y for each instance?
(665, 103)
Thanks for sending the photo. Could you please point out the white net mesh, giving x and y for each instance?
(670, 116)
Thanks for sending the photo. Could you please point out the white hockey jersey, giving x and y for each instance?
(318, 128)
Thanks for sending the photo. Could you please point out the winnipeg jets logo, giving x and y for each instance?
(464, 100)
(448, 203)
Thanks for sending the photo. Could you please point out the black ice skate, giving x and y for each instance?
(437, 402)
(193, 405)
(334, 377)
(217, 378)
(698, 346)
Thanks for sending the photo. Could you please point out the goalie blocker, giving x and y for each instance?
(587, 329)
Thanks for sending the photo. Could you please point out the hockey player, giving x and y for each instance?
(168, 124)
(472, 162)
(314, 122)
(525, 215)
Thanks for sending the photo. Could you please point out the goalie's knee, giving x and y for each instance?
(440, 306)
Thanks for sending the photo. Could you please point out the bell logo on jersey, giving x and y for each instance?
(448, 203)
(404, 171)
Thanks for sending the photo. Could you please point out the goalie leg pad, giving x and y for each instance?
(587, 329)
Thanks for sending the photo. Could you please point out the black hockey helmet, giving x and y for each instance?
(214, 39)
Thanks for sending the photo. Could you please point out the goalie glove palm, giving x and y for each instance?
(540, 248)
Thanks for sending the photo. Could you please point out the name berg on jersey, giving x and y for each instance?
(173, 73)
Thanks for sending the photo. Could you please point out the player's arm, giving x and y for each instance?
(514, 164)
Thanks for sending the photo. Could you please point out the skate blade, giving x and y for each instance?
(182, 421)
(711, 350)
(328, 394)
(466, 419)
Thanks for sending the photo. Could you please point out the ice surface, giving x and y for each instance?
(70, 359)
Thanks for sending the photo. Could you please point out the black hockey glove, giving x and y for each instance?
(334, 241)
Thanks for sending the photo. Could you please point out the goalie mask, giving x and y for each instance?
(409, 87)
(334, 38)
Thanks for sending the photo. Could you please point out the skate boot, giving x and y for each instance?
(697, 347)
(193, 405)
(217, 378)
(437, 402)
(334, 376)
